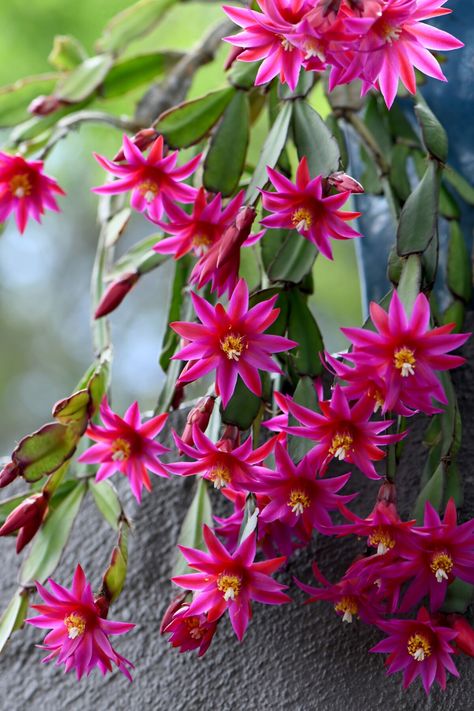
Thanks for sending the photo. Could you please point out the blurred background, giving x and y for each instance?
(45, 342)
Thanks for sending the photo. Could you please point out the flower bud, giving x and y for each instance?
(387, 493)
(199, 416)
(175, 605)
(141, 140)
(232, 56)
(115, 294)
(465, 639)
(102, 604)
(9, 473)
(230, 439)
(344, 183)
(45, 105)
(26, 519)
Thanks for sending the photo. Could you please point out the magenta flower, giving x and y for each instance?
(230, 582)
(303, 207)
(237, 468)
(418, 647)
(342, 432)
(190, 632)
(25, 190)
(232, 342)
(127, 446)
(405, 353)
(79, 636)
(442, 552)
(155, 181)
(199, 230)
(397, 41)
(296, 495)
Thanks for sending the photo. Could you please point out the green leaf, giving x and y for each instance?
(294, 259)
(270, 153)
(459, 183)
(67, 53)
(171, 338)
(448, 206)
(454, 485)
(432, 492)
(303, 87)
(455, 313)
(74, 410)
(459, 271)
(376, 121)
(419, 216)
(435, 137)
(225, 158)
(167, 391)
(14, 616)
(410, 282)
(249, 519)
(198, 514)
(243, 74)
(84, 80)
(305, 395)
(314, 140)
(132, 23)
(45, 450)
(458, 597)
(335, 129)
(370, 178)
(114, 578)
(186, 124)
(242, 408)
(278, 327)
(140, 258)
(129, 73)
(15, 98)
(99, 382)
(398, 172)
(107, 501)
(303, 329)
(52, 537)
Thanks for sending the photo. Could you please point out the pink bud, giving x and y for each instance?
(175, 605)
(232, 56)
(343, 183)
(199, 416)
(26, 519)
(230, 439)
(102, 604)
(141, 140)
(387, 493)
(465, 638)
(45, 105)
(9, 472)
(115, 294)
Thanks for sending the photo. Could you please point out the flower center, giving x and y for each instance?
(340, 445)
(149, 190)
(286, 44)
(298, 502)
(441, 565)
(381, 539)
(194, 628)
(419, 647)
(314, 49)
(20, 185)
(389, 33)
(348, 606)
(121, 450)
(233, 345)
(302, 219)
(220, 476)
(201, 242)
(404, 360)
(76, 625)
(375, 393)
(230, 585)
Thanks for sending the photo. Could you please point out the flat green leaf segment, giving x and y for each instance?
(198, 514)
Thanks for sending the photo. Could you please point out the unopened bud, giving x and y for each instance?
(8, 474)
(45, 105)
(199, 416)
(115, 294)
(344, 183)
(141, 140)
(465, 638)
(26, 519)
(387, 493)
(232, 56)
(102, 604)
(178, 396)
(230, 439)
(175, 605)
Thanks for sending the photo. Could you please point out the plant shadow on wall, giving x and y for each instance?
(230, 194)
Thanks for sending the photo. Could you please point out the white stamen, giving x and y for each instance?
(407, 369)
(340, 454)
(149, 196)
(381, 549)
(119, 456)
(302, 226)
(19, 192)
(441, 575)
(229, 594)
(298, 508)
(287, 46)
(74, 632)
(347, 617)
(419, 655)
(393, 34)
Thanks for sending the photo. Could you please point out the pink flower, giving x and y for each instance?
(342, 432)
(79, 636)
(230, 582)
(405, 353)
(155, 181)
(231, 341)
(219, 463)
(296, 495)
(199, 230)
(25, 189)
(303, 207)
(127, 446)
(395, 43)
(418, 647)
(190, 632)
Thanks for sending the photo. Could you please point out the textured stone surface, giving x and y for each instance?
(301, 657)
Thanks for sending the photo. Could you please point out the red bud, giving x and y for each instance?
(115, 294)
(465, 638)
(141, 140)
(45, 105)
(387, 493)
(232, 56)
(230, 439)
(26, 519)
(343, 183)
(9, 473)
(199, 416)
(102, 605)
(175, 604)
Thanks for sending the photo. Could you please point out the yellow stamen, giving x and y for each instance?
(20, 186)
(121, 450)
(340, 446)
(149, 190)
(302, 219)
(441, 565)
(230, 585)
(201, 241)
(381, 539)
(220, 475)
(194, 628)
(348, 606)
(419, 647)
(298, 501)
(75, 624)
(233, 345)
(404, 360)
(374, 393)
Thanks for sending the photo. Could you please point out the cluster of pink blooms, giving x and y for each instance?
(376, 41)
